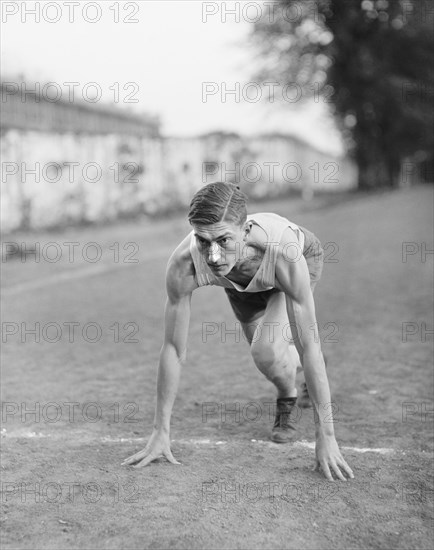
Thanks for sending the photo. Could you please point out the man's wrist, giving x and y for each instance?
(162, 428)
(324, 431)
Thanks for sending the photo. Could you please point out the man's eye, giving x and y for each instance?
(202, 242)
(223, 241)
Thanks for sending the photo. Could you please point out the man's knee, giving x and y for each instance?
(269, 357)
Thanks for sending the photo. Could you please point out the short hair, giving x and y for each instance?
(217, 202)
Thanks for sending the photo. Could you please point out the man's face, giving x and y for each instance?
(220, 244)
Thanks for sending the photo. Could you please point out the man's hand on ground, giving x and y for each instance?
(329, 459)
(158, 447)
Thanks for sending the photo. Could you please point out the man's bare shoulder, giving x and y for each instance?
(180, 273)
(291, 268)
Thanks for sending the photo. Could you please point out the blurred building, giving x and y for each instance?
(267, 165)
(68, 162)
(73, 162)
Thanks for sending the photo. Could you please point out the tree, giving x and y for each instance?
(372, 60)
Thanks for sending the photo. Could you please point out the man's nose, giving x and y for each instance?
(214, 254)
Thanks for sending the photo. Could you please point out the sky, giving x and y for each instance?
(177, 59)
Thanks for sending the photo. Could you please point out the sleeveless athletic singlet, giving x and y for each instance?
(264, 279)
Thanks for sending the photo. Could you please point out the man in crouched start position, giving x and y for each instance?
(268, 267)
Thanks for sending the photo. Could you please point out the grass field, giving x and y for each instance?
(93, 401)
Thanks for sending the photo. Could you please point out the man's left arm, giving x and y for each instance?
(292, 277)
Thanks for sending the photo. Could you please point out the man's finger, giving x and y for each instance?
(134, 458)
(347, 469)
(338, 472)
(146, 460)
(326, 471)
(131, 459)
(171, 458)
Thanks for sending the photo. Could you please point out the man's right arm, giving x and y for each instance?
(180, 283)
(174, 351)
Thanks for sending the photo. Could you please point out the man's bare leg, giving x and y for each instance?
(270, 346)
(277, 359)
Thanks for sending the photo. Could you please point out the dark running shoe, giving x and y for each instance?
(283, 429)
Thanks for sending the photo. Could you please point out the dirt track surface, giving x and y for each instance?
(62, 483)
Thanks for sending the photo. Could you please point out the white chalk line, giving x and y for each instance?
(78, 273)
(195, 442)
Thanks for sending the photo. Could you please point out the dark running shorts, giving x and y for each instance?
(248, 306)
